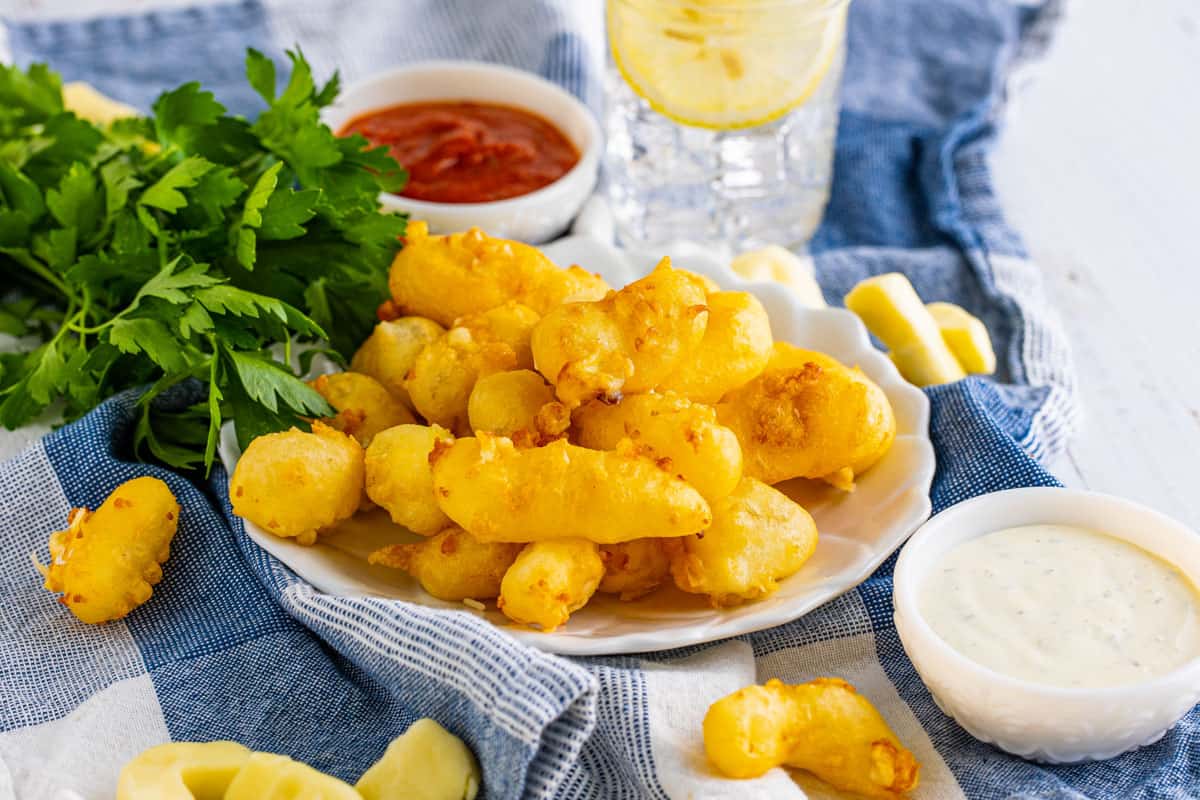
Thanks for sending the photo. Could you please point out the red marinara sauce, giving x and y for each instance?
(462, 152)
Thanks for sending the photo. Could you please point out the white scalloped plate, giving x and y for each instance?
(858, 531)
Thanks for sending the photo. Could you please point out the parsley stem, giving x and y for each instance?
(38, 268)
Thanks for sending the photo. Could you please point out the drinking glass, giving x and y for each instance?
(721, 117)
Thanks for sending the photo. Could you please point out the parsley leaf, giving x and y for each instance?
(164, 193)
(185, 253)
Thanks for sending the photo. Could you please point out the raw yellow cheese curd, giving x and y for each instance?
(182, 771)
(90, 104)
(780, 265)
(426, 762)
(267, 776)
(890, 308)
(966, 336)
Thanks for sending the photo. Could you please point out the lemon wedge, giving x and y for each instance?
(716, 65)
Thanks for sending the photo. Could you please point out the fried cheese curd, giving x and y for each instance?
(107, 562)
(636, 568)
(448, 277)
(758, 536)
(681, 436)
(293, 484)
(364, 406)
(823, 726)
(549, 580)
(446, 370)
(735, 349)
(399, 476)
(808, 416)
(391, 350)
(627, 343)
(452, 565)
(506, 403)
(501, 493)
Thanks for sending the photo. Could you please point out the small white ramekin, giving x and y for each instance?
(1044, 723)
(535, 217)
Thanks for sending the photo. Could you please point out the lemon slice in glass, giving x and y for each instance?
(726, 63)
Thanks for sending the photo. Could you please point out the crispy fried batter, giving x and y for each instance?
(636, 568)
(629, 342)
(448, 277)
(549, 581)
(758, 537)
(735, 348)
(293, 484)
(391, 350)
(501, 493)
(823, 726)
(702, 452)
(452, 565)
(807, 416)
(399, 477)
(445, 372)
(106, 563)
(364, 406)
(505, 403)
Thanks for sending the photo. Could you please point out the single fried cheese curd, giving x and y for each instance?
(683, 437)
(105, 563)
(549, 581)
(504, 403)
(735, 349)
(452, 565)
(364, 406)
(448, 277)
(445, 372)
(391, 350)
(823, 726)
(501, 493)
(890, 308)
(629, 342)
(636, 568)
(808, 416)
(758, 537)
(399, 476)
(182, 771)
(426, 762)
(294, 484)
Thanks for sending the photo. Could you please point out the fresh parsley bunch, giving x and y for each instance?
(188, 245)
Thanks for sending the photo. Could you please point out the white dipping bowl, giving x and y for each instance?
(536, 217)
(1034, 721)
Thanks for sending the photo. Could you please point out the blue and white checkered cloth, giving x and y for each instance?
(235, 646)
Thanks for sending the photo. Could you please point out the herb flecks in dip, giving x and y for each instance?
(1063, 606)
(462, 152)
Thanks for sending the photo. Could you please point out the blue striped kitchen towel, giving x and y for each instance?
(235, 646)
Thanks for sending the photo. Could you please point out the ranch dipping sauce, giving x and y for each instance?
(1063, 606)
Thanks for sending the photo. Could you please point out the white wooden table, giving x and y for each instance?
(1099, 169)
